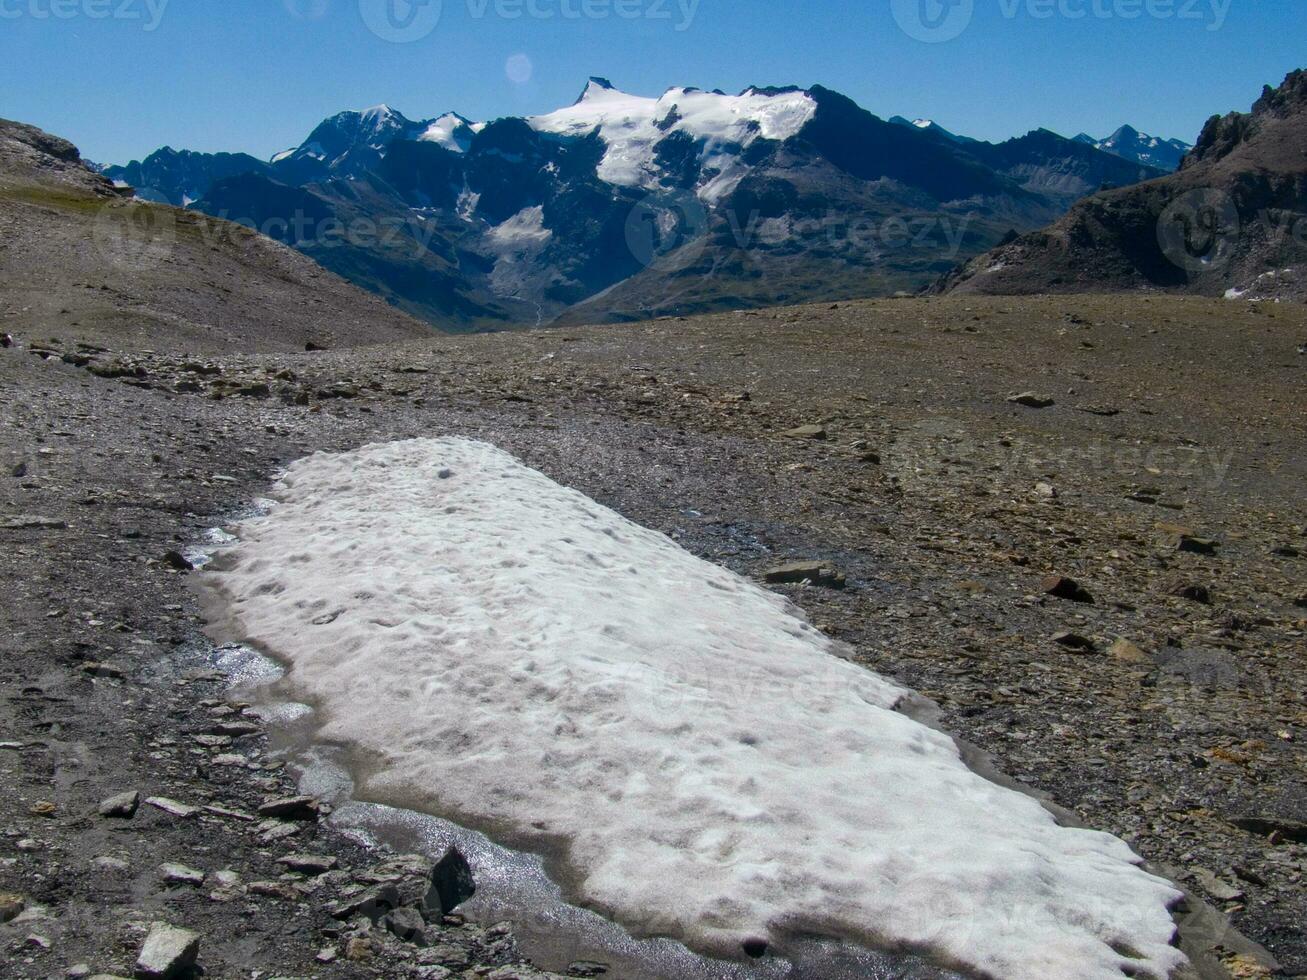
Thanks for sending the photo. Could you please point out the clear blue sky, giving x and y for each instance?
(257, 75)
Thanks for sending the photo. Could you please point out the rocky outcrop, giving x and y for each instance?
(1232, 220)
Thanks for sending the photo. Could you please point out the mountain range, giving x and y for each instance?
(1130, 144)
(1231, 221)
(623, 207)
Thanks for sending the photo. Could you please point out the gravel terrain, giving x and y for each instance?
(1076, 523)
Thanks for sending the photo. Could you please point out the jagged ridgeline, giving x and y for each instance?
(1231, 221)
(621, 207)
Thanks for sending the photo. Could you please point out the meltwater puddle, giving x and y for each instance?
(490, 645)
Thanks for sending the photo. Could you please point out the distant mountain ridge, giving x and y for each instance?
(930, 126)
(1130, 144)
(1232, 220)
(622, 207)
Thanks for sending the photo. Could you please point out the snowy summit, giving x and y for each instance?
(721, 125)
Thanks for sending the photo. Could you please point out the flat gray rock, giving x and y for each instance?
(168, 952)
(122, 805)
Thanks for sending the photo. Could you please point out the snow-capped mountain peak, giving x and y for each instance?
(632, 126)
(1130, 144)
(930, 126)
(451, 131)
(598, 88)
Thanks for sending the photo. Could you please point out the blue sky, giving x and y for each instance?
(122, 77)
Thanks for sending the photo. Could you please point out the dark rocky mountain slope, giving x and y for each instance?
(1232, 221)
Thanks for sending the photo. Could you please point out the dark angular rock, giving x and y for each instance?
(308, 864)
(1061, 587)
(232, 729)
(1192, 592)
(1074, 641)
(1294, 830)
(452, 883)
(175, 559)
(338, 391)
(11, 906)
(408, 925)
(1196, 546)
(816, 572)
(587, 968)
(1031, 399)
(290, 808)
(374, 903)
(96, 669)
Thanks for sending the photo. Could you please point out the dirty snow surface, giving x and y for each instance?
(506, 650)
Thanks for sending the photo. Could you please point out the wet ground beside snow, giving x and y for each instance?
(1165, 480)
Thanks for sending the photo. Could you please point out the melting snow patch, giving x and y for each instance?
(509, 651)
(524, 229)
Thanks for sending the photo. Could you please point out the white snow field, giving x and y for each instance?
(632, 126)
(506, 650)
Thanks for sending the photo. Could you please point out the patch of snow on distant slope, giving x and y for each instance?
(507, 650)
(527, 227)
(451, 131)
(516, 245)
(632, 125)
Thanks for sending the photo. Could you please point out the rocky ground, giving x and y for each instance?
(1076, 523)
